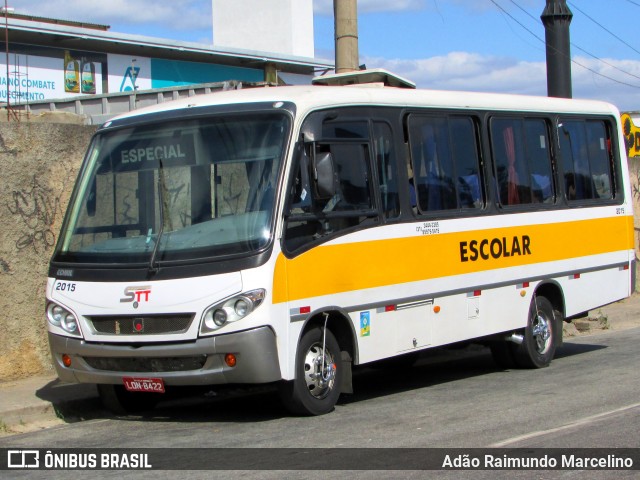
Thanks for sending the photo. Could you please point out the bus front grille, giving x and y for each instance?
(141, 324)
(139, 365)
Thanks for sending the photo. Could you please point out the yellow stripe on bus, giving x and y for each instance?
(331, 269)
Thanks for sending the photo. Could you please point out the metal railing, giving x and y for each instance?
(97, 109)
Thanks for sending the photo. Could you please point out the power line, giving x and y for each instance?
(582, 49)
(603, 27)
(605, 62)
(595, 72)
(634, 3)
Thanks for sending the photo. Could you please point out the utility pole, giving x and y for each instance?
(346, 32)
(556, 18)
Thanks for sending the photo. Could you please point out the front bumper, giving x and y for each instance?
(199, 362)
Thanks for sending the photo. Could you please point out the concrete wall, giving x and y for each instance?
(634, 174)
(39, 162)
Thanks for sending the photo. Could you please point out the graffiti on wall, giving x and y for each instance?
(4, 266)
(37, 207)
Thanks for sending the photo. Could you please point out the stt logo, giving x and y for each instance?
(136, 295)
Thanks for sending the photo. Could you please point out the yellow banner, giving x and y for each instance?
(631, 135)
(332, 269)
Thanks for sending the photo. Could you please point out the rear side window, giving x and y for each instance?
(587, 159)
(522, 161)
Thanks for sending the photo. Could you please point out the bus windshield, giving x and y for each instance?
(176, 191)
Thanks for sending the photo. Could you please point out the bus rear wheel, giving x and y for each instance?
(539, 343)
(318, 375)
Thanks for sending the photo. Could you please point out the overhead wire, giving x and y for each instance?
(574, 6)
(595, 72)
(615, 67)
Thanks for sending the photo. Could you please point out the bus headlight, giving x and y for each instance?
(231, 310)
(219, 317)
(61, 317)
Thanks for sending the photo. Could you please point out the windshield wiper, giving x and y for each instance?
(153, 268)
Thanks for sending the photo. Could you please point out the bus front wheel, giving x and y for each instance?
(318, 375)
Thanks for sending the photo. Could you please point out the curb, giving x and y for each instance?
(43, 400)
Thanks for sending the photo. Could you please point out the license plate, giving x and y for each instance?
(137, 384)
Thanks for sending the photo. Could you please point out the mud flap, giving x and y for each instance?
(559, 324)
(347, 384)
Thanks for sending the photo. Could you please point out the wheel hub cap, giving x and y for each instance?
(541, 334)
(320, 371)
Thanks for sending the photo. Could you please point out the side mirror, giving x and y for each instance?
(324, 175)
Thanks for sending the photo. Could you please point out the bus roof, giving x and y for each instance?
(314, 97)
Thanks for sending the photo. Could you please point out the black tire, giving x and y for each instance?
(539, 345)
(118, 400)
(316, 387)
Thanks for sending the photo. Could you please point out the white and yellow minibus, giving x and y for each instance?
(285, 235)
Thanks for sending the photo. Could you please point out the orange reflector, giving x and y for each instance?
(230, 359)
(436, 309)
(66, 360)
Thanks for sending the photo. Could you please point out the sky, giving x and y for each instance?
(477, 45)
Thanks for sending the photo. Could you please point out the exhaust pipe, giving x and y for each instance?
(516, 338)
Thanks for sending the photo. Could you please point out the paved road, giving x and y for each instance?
(588, 397)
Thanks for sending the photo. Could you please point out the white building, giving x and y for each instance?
(283, 27)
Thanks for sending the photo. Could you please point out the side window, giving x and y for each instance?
(522, 161)
(445, 172)
(586, 152)
(312, 216)
(351, 162)
(345, 129)
(539, 160)
(386, 163)
(465, 148)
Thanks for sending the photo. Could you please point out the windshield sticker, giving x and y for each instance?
(145, 154)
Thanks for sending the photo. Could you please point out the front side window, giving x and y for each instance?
(313, 215)
(178, 190)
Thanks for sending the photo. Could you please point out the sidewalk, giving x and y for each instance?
(43, 401)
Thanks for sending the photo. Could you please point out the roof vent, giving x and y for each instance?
(358, 77)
